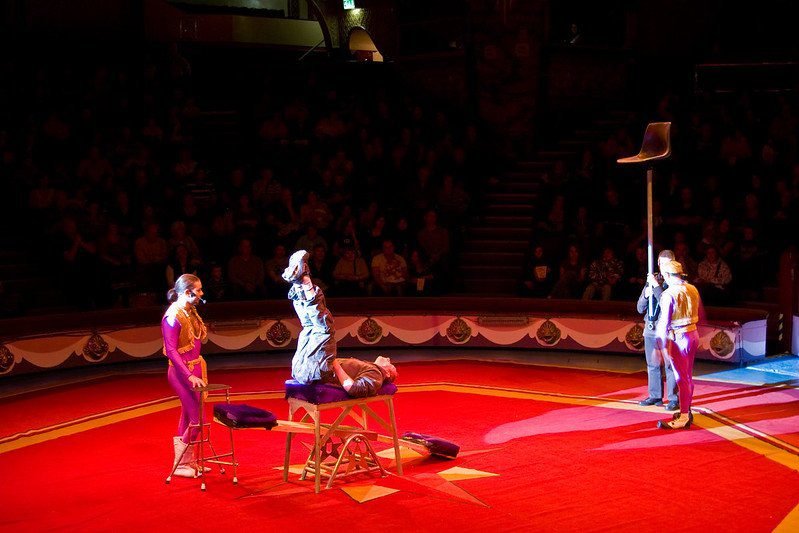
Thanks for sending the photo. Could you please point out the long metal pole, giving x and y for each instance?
(650, 254)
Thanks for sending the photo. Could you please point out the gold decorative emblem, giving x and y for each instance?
(635, 337)
(6, 360)
(721, 345)
(370, 331)
(459, 331)
(278, 335)
(548, 333)
(96, 349)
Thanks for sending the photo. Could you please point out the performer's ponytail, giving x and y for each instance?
(182, 284)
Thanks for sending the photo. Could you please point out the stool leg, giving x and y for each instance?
(317, 454)
(201, 446)
(287, 457)
(393, 421)
(232, 448)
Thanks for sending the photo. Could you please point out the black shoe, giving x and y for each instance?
(672, 406)
(650, 401)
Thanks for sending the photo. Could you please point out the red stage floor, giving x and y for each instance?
(541, 449)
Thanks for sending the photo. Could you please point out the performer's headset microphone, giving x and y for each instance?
(194, 295)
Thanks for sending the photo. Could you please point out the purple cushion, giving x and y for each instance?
(319, 393)
(244, 416)
(436, 446)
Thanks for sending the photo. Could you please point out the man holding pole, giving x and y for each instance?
(655, 359)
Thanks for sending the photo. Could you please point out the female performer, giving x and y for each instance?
(184, 332)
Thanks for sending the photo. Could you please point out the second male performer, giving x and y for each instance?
(655, 360)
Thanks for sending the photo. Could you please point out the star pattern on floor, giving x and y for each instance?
(434, 484)
(367, 492)
(440, 484)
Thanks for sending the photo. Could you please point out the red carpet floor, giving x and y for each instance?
(552, 461)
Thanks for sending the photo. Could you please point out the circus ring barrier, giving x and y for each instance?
(34, 344)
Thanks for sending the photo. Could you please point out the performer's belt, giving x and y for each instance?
(194, 362)
(681, 329)
(204, 369)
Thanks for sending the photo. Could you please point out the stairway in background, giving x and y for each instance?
(496, 242)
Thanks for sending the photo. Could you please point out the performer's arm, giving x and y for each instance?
(170, 328)
(343, 378)
(308, 287)
(642, 305)
(359, 387)
(662, 329)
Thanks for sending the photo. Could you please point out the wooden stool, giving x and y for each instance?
(353, 451)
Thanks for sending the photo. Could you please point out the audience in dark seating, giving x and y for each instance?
(102, 159)
(336, 167)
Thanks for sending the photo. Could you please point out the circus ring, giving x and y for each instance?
(551, 434)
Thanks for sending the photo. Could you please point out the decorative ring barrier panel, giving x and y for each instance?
(31, 344)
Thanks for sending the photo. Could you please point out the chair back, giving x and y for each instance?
(656, 145)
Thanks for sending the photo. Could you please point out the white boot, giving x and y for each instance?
(182, 454)
(191, 459)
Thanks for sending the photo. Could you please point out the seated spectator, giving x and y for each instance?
(151, 131)
(725, 243)
(635, 273)
(221, 241)
(215, 285)
(401, 236)
(178, 236)
(201, 188)
(421, 281)
(94, 168)
(708, 238)
(604, 275)
(539, 274)
(453, 202)
(234, 186)
(186, 165)
(749, 265)
(571, 276)
(367, 217)
(113, 251)
(714, 278)
(151, 252)
(321, 267)
(420, 194)
(274, 267)
(315, 212)
(246, 273)
(181, 263)
(350, 274)
(43, 197)
(389, 271)
(310, 239)
(246, 217)
(287, 218)
(372, 241)
(434, 242)
(348, 237)
(78, 264)
(266, 189)
(681, 255)
(341, 192)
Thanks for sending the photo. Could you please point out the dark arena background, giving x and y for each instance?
(452, 169)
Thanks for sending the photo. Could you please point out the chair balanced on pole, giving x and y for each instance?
(655, 147)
